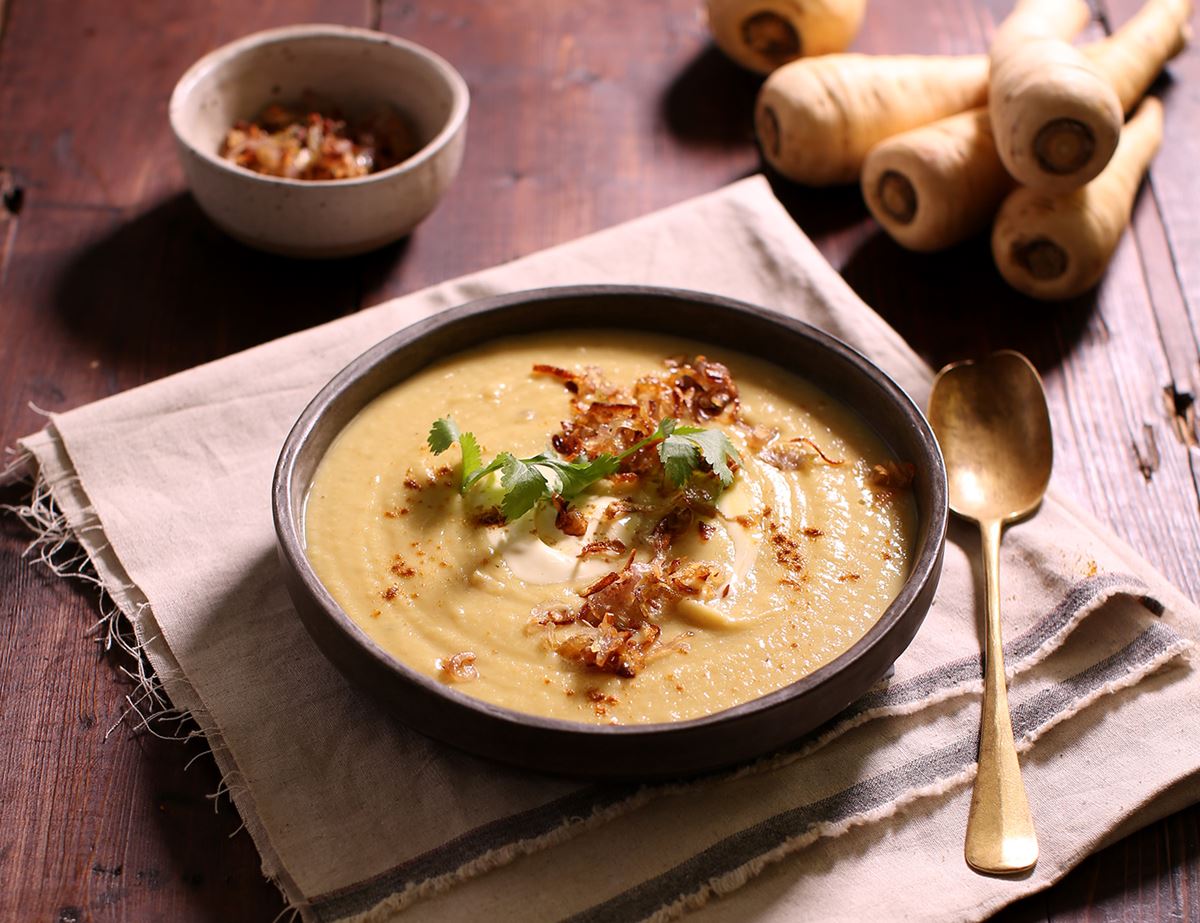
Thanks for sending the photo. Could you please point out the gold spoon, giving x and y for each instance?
(991, 420)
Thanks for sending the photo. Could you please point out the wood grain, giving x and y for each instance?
(583, 115)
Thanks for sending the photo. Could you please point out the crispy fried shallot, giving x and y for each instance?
(569, 520)
(588, 385)
(608, 649)
(617, 627)
(795, 454)
(683, 508)
(619, 509)
(757, 435)
(607, 580)
(816, 448)
(603, 547)
(312, 141)
(608, 421)
(570, 380)
(787, 456)
(705, 387)
(460, 667)
(694, 578)
(677, 520)
(556, 613)
(893, 475)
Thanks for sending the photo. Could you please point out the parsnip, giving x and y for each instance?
(763, 34)
(1033, 20)
(1132, 56)
(1055, 117)
(817, 118)
(1054, 247)
(936, 185)
(931, 187)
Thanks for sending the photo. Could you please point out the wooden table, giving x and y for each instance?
(584, 114)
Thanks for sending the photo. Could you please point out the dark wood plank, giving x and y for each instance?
(583, 115)
(1150, 339)
(97, 237)
(580, 119)
(96, 825)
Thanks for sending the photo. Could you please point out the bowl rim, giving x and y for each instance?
(221, 56)
(925, 568)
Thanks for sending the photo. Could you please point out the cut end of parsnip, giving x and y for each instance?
(1054, 247)
(764, 35)
(766, 124)
(936, 185)
(1055, 118)
(817, 118)
(897, 197)
(1064, 146)
(1042, 258)
(771, 38)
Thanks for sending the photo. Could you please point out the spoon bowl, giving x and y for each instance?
(991, 420)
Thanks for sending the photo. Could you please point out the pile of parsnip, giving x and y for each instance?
(1030, 138)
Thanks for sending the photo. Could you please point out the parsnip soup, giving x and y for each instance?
(610, 527)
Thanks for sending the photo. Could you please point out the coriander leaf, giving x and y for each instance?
(679, 457)
(666, 426)
(549, 471)
(524, 483)
(443, 434)
(575, 477)
(480, 473)
(527, 481)
(716, 448)
(472, 458)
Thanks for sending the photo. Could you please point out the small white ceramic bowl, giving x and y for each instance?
(356, 68)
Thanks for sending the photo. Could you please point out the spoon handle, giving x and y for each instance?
(1000, 835)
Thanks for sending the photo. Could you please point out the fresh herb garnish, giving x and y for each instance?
(526, 481)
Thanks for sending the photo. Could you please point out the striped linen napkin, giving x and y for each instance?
(166, 487)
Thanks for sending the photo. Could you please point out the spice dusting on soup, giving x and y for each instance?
(610, 527)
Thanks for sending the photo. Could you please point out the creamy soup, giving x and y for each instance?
(635, 598)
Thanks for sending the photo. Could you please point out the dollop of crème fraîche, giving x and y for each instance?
(610, 527)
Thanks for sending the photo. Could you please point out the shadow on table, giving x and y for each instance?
(820, 211)
(711, 102)
(955, 305)
(169, 289)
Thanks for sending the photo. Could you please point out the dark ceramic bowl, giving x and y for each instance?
(641, 750)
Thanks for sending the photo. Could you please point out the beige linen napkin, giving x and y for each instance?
(167, 489)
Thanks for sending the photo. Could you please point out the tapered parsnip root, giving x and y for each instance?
(765, 34)
(936, 185)
(1055, 117)
(817, 118)
(1054, 247)
(1132, 56)
(1031, 20)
